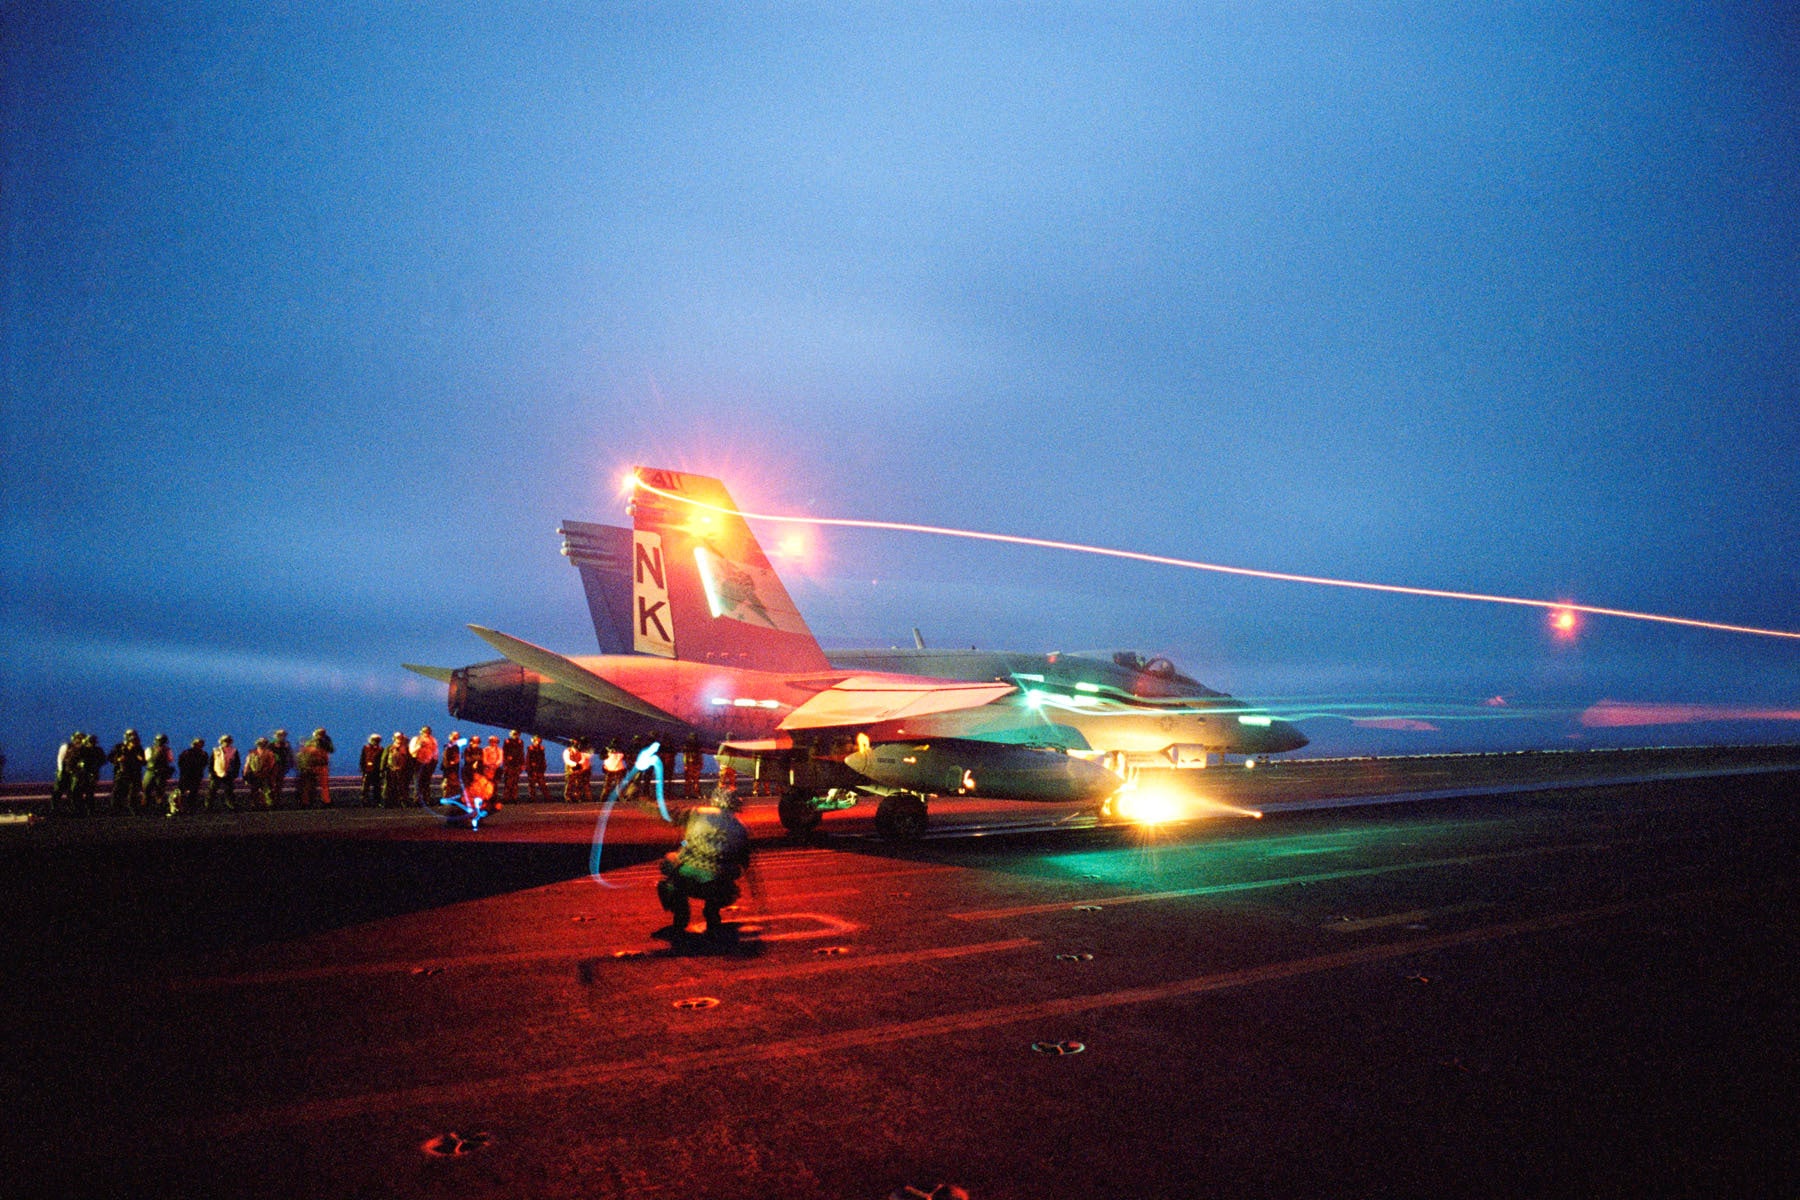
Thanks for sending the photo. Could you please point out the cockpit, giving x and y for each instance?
(1158, 676)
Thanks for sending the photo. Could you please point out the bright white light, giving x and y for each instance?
(1151, 800)
(1152, 803)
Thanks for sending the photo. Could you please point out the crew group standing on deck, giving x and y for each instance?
(155, 781)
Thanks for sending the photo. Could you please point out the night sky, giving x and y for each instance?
(316, 324)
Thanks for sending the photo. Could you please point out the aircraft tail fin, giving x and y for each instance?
(702, 590)
(602, 553)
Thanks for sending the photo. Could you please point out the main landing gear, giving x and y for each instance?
(799, 816)
(900, 817)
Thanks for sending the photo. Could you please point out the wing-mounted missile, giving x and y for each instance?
(571, 675)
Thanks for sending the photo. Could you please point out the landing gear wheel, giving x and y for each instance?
(798, 815)
(901, 817)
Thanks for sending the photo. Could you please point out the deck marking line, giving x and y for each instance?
(652, 1067)
(1358, 924)
(1375, 799)
(1253, 885)
(827, 926)
(901, 958)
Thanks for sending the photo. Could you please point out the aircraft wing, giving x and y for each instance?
(570, 674)
(867, 699)
(758, 745)
(441, 674)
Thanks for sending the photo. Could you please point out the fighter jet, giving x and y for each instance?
(700, 640)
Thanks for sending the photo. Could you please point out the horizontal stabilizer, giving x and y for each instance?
(441, 674)
(570, 674)
(866, 699)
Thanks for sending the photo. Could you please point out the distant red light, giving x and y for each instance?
(1563, 621)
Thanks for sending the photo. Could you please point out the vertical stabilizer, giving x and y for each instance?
(602, 553)
(701, 588)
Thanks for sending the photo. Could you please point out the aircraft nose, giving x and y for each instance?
(1285, 735)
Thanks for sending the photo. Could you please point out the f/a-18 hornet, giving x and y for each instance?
(700, 641)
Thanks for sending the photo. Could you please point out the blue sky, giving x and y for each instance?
(317, 323)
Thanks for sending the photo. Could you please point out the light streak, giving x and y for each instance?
(649, 759)
(474, 812)
(1248, 572)
(1613, 714)
(1148, 803)
(1403, 724)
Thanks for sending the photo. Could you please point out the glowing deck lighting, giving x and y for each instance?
(1249, 572)
(1157, 802)
(1208, 805)
(1152, 805)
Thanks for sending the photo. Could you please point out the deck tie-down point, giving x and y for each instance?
(1059, 1047)
(456, 1145)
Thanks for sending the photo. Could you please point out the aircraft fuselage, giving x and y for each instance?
(1084, 705)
